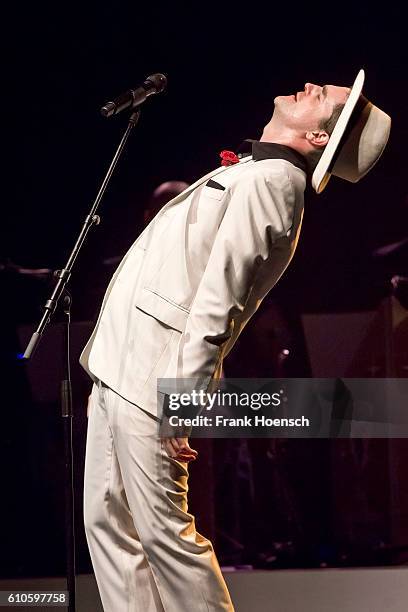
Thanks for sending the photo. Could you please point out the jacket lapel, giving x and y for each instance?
(175, 200)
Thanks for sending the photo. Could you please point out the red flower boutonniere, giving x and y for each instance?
(228, 158)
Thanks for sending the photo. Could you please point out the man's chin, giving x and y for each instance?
(282, 105)
(285, 99)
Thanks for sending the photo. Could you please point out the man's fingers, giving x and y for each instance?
(179, 448)
(168, 447)
(185, 447)
(186, 458)
(175, 445)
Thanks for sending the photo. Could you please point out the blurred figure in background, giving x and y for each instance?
(162, 194)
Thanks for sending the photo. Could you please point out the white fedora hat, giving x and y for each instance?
(357, 141)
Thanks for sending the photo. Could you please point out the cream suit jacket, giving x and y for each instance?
(194, 277)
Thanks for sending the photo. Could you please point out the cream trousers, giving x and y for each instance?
(145, 550)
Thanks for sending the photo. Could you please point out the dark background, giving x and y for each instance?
(225, 63)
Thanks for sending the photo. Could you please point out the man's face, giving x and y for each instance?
(305, 110)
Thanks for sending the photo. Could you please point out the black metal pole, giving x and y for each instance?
(67, 414)
(66, 387)
(91, 219)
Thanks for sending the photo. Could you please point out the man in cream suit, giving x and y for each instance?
(173, 309)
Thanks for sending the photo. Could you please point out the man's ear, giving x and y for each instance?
(317, 138)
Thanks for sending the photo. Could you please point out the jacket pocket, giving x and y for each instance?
(215, 193)
(162, 308)
(215, 185)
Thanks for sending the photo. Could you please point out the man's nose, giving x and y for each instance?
(309, 87)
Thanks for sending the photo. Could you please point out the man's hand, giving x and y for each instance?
(179, 449)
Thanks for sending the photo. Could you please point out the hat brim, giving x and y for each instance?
(321, 175)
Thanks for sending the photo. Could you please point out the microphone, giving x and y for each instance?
(154, 84)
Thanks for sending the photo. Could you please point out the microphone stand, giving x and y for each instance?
(66, 387)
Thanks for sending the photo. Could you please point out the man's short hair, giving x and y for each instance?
(328, 124)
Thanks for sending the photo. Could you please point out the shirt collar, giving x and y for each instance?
(271, 150)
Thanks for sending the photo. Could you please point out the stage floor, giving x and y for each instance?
(323, 590)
